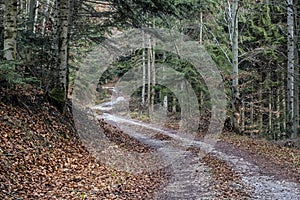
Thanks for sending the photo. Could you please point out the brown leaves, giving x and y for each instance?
(41, 158)
(278, 161)
(122, 139)
(225, 180)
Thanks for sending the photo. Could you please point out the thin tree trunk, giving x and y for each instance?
(144, 71)
(153, 75)
(277, 130)
(269, 75)
(292, 129)
(252, 125)
(296, 105)
(284, 109)
(297, 76)
(174, 105)
(45, 18)
(20, 5)
(201, 100)
(270, 112)
(201, 28)
(10, 29)
(35, 19)
(260, 110)
(235, 61)
(243, 117)
(31, 15)
(149, 76)
(2, 9)
(165, 105)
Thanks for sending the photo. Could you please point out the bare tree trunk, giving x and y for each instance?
(243, 117)
(31, 15)
(284, 109)
(10, 29)
(153, 75)
(174, 105)
(165, 105)
(22, 10)
(201, 28)
(35, 19)
(252, 125)
(45, 18)
(260, 110)
(278, 104)
(149, 76)
(292, 121)
(201, 100)
(144, 71)
(2, 9)
(235, 61)
(270, 112)
(297, 76)
(62, 46)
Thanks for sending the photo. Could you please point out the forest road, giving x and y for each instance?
(191, 178)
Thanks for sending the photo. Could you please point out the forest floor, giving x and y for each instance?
(43, 158)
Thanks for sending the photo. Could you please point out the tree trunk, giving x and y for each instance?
(35, 19)
(277, 129)
(165, 104)
(174, 105)
(2, 9)
(270, 99)
(144, 71)
(260, 108)
(153, 76)
(31, 15)
(235, 61)
(297, 76)
(45, 18)
(243, 117)
(201, 102)
(270, 124)
(252, 125)
(284, 109)
(10, 29)
(149, 75)
(62, 47)
(292, 127)
(201, 28)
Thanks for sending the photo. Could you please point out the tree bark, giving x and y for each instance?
(297, 76)
(149, 75)
(31, 15)
(144, 71)
(201, 28)
(45, 18)
(284, 107)
(35, 19)
(292, 126)
(235, 61)
(10, 29)
(153, 76)
(261, 106)
(62, 47)
(2, 9)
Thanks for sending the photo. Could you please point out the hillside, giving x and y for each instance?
(42, 158)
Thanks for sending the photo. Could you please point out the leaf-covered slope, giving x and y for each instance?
(41, 157)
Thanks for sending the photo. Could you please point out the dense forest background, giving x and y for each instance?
(254, 43)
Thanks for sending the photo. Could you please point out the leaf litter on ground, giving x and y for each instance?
(43, 158)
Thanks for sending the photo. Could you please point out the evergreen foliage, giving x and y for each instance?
(262, 49)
